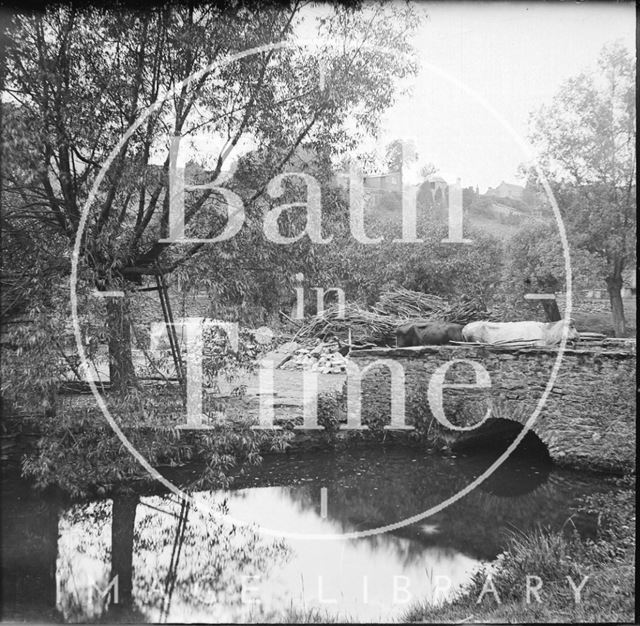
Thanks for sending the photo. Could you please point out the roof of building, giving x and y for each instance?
(511, 186)
(381, 175)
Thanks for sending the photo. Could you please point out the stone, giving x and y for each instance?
(589, 414)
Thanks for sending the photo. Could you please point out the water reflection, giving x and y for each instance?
(182, 564)
(176, 563)
(371, 579)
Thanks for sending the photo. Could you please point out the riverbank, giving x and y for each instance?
(606, 565)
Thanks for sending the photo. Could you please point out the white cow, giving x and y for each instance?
(540, 333)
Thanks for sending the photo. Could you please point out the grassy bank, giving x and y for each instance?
(608, 595)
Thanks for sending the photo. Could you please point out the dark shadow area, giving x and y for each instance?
(526, 468)
(496, 435)
(29, 548)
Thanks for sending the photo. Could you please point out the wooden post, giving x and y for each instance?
(549, 304)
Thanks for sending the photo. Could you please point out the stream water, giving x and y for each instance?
(179, 563)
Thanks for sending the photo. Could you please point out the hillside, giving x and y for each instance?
(498, 218)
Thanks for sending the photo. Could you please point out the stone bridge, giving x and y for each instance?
(588, 419)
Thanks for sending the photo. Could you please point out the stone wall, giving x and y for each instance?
(588, 419)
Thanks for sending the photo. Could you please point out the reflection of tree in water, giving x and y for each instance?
(164, 554)
(123, 520)
(214, 558)
(397, 486)
(96, 546)
(366, 489)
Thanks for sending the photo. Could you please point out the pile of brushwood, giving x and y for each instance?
(357, 326)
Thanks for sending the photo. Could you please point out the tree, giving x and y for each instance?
(468, 197)
(449, 270)
(394, 155)
(586, 138)
(78, 79)
(34, 309)
(534, 263)
(401, 154)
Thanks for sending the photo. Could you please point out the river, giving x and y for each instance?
(179, 562)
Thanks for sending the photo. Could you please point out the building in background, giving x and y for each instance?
(390, 182)
(506, 190)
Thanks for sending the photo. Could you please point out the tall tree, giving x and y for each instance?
(587, 139)
(77, 80)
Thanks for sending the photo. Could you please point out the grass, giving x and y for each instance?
(293, 615)
(601, 322)
(609, 562)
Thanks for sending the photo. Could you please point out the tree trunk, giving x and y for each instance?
(121, 371)
(50, 401)
(550, 284)
(551, 310)
(614, 286)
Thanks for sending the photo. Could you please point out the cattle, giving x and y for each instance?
(425, 333)
(538, 333)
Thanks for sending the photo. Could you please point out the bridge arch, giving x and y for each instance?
(588, 420)
(497, 434)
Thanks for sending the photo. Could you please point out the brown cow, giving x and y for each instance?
(426, 333)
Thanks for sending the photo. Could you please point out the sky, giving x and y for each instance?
(514, 55)
(485, 66)
(475, 56)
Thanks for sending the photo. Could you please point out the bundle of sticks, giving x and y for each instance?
(468, 310)
(356, 325)
(406, 304)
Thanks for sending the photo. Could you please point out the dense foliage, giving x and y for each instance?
(587, 140)
(68, 108)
